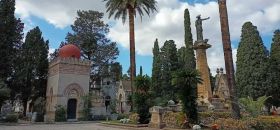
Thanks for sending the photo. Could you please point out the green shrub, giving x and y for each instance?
(11, 118)
(259, 123)
(60, 113)
(254, 108)
(186, 80)
(214, 114)
(113, 105)
(141, 98)
(142, 107)
(267, 123)
(86, 115)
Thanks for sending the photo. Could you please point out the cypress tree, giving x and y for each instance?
(275, 47)
(189, 56)
(182, 57)
(169, 62)
(156, 70)
(141, 71)
(34, 69)
(275, 70)
(251, 63)
(10, 37)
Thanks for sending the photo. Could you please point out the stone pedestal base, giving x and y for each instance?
(202, 108)
(204, 88)
(219, 105)
(156, 118)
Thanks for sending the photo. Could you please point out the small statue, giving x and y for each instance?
(198, 25)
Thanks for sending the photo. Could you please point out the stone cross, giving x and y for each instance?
(199, 30)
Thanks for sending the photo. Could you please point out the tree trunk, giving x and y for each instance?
(24, 107)
(228, 58)
(132, 49)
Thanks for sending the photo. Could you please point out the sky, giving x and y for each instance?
(54, 18)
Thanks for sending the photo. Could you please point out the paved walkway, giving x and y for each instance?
(88, 126)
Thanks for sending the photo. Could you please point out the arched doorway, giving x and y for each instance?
(107, 102)
(71, 108)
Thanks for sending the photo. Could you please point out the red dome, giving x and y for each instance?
(69, 50)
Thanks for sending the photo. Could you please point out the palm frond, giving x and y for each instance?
(253, 107)
(119, 8)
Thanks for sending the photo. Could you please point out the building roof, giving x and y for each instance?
(69, 50)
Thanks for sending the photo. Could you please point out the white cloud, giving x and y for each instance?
(167, 23)
(60, 13)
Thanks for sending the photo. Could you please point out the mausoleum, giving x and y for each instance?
(68, 81)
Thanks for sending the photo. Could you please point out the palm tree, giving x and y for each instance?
(122, 8)
(228, 58)
(186, 81)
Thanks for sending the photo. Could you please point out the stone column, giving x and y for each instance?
(204, 89)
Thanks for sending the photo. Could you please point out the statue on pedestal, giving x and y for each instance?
(198, 25)
(204, 89)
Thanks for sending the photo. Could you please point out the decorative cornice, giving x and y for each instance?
(69, 66)
(69, 60)
(201, 45)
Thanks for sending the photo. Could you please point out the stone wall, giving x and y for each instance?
(68, 79)
(165, 117)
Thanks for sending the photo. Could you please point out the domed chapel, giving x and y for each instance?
(68, 81)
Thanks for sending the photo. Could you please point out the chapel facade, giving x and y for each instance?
(68, 81)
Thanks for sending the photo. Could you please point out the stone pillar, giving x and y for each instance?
(204, 89)
(156, 118)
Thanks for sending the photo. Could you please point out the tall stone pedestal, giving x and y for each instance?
(156, 119)
(204, 89)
